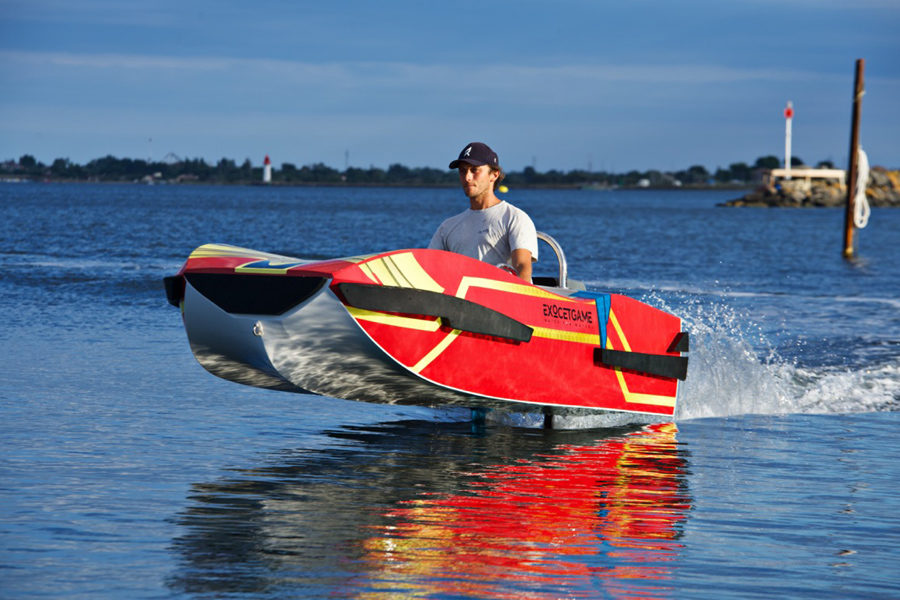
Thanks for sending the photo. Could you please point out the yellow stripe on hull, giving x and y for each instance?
(435, 352)
(507, 286)
(567, 336)
(222, 250)
(394, 320)
(633, 397)
(400, 270)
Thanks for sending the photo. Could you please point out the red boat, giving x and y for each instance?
(427, 327)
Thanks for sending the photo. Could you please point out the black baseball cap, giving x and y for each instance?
(477, 154)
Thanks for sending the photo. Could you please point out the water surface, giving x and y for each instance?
(128, 471)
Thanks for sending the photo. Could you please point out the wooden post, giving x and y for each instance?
(858, 91)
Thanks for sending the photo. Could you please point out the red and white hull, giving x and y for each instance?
(425, 327)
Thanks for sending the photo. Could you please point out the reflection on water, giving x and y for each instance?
(436, 509)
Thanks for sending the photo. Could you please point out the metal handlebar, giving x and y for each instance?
(560, 257)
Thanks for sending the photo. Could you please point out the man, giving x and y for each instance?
(491, 230)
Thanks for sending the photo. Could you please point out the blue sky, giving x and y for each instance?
(562, 84)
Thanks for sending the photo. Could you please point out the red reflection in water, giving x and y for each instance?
(599, 517)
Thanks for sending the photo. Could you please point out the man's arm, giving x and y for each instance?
(437, 242)
(521, 261)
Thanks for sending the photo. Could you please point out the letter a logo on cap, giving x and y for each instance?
(475, 154)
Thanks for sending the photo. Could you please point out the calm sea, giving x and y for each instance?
(127, 471)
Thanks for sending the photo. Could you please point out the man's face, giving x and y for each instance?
(476, 181)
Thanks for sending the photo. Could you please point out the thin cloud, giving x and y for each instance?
(113, 61)
(398, 72)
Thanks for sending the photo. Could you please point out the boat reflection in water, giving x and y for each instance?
(444, 511)
(599, 514)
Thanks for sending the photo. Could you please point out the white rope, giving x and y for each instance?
(861, 210)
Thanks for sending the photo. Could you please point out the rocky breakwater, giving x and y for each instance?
(883, 189)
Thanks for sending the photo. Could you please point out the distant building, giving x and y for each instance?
(804, 177)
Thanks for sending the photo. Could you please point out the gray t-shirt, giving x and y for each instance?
(490, 235)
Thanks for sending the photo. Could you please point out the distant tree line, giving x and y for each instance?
(227, 171)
